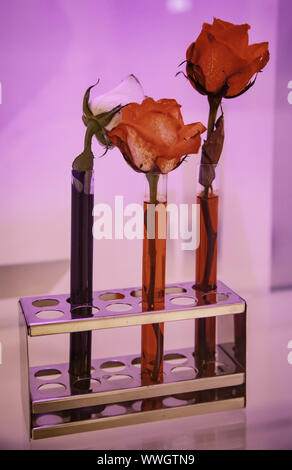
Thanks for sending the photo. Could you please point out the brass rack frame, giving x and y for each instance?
(115, 394)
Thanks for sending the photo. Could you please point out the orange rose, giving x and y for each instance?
(152, 136)
(221, 62)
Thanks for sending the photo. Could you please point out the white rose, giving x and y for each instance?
(128, 91)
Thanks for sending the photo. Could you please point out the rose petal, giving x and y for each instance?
(184, 147)
(157, 122)
(216, 60)
(158, 128)
(190, 130)
(131, 112)
(142, 152)
(172, 108)
(153, 134)
(255, 51)
(129, 90)
(233, 36)
(166, 165)
(222, 25)
(240, 80)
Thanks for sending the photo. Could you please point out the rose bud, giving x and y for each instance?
(221, 63)
(153, 137)
(105, 110)
(102, 113)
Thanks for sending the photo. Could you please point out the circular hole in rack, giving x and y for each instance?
(113, 410)
(183, 301)
(84, 311)
(136, 362)
(47, 419)
(184, 372)
(45, 303)
(174, 290)
(175, 358)
(137, 405)
(215, 297)
(119, 307)
(111, 296)
(120, 379)
(87, 385)
(172, 401)
(52, 389)
(136, 293)
(112, 366)
(47, 374)
(190, 397)
(49, 314)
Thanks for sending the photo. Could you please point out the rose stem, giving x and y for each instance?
(153, 184)
(206, 328)
(214, 104)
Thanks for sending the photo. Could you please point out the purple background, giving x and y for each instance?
(282, 188)
(50, 52)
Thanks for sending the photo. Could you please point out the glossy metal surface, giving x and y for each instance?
(180, 375)
(65, 424)
(128, 310)
(110, 396)
(24, 371)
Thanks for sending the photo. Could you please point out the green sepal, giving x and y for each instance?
(100, 121)
(86, 110)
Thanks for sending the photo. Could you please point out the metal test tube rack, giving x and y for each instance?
(112, 399)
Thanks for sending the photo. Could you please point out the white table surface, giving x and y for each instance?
(265, 424)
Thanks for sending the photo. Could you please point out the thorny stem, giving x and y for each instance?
(214, 104)
(153, 184)
(84, 161)
(90, 131)
(212, 238)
